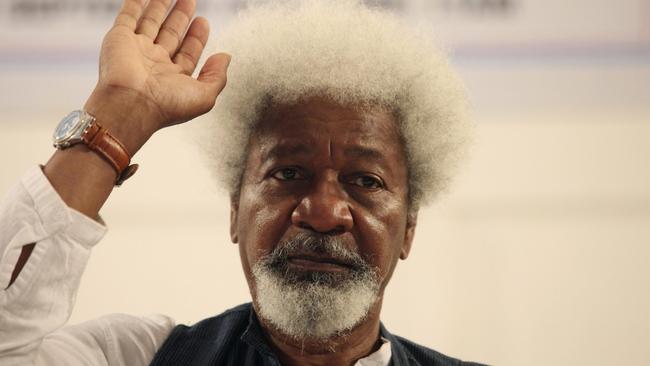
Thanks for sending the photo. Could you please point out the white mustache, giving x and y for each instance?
(327, 246)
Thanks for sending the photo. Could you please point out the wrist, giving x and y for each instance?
(127, 116)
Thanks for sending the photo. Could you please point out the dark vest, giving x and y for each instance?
(235, 338)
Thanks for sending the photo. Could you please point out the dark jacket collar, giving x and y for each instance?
(254, 337)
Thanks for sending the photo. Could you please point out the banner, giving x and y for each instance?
(62, 30)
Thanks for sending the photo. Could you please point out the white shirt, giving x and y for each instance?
(35, 308)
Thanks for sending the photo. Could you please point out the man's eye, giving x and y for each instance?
(367, 181)
(287, 174)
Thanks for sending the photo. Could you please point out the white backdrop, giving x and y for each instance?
(539, 255)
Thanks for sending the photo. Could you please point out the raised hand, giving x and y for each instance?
(146, 65)
(145, 83)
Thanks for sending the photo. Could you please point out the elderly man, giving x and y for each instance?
(338, 122)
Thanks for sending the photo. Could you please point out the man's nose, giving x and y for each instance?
(325, 209)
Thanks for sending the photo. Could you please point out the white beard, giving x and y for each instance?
(314, 307)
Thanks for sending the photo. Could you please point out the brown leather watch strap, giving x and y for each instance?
(99, 140)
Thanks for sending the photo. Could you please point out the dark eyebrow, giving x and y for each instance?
(364, 153)
(287, 150)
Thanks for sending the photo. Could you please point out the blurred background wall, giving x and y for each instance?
(539, 256)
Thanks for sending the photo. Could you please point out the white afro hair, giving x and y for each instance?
(286, 51)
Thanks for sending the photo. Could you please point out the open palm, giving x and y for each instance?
(150, 55)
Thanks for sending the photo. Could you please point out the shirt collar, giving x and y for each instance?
(254, 336)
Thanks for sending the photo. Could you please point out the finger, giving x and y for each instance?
(212, 80)
(193, 44)
(153, 17)
(213, 74)
(172, 30)
(129, 14)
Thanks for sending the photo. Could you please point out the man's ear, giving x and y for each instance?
(409, 233)
(234, 211)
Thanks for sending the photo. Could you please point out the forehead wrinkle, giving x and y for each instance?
(366, 148)
(329, 150)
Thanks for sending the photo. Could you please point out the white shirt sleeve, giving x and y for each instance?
(35, 307)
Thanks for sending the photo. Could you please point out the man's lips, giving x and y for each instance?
(317, 263)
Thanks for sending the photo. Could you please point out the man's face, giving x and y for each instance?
(321, 173)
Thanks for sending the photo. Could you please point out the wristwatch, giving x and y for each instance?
(81, 127)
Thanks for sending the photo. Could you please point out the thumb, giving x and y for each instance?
(213, 73)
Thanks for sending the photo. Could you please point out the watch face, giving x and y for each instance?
(67, 126)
